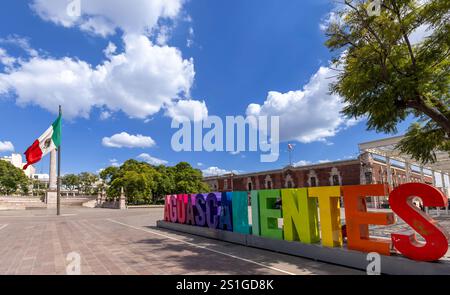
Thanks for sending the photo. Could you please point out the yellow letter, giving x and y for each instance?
(330, 214)
(300, 216)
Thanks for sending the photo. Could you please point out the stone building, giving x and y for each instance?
(363, 170)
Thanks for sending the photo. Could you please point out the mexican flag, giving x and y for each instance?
(50, 140)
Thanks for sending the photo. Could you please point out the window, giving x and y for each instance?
(368, 177)
(313, 181)
(336, 180)
(225, 184)
(250, 186)
(269, 184)
(289, 184)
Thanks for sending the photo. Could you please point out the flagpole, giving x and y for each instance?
(58, 182)
(290, 157)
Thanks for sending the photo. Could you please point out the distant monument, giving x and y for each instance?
(51, 195)
(122, 200)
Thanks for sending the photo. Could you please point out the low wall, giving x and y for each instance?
(24, 203)
(20, 203)
(110, 205)
(393, 265)
(99, 203)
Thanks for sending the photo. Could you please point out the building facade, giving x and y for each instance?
(366, 169)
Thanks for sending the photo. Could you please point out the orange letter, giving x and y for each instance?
(358, 219)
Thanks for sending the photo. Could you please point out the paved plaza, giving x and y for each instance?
(128, 242)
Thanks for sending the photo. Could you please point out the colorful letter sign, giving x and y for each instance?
(301, 221)
(358, 219)
(436, 238)
(268, 214)
(240, 212)
(330, 214)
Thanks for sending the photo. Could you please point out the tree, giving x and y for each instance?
(87, 183)
(71, 181)
(144, 183)
(387, 77)
(12, 180)
(189, 180)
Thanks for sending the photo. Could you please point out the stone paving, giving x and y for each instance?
(127, 242)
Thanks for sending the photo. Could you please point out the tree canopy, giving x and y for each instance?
(386, 75)
(12, 180)
(85, 182)
(144, 183)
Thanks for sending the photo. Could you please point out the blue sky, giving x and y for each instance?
(218, 56)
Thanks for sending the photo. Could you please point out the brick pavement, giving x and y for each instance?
(127, 242)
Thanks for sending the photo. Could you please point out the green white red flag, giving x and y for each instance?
(47, 142)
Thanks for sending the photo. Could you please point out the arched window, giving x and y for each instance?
(313, 181)
(336, 180)
(289, 182)
(250, 186)
(268, 182)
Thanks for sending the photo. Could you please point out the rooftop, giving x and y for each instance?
(387, 147)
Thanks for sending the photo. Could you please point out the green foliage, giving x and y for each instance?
(12, 180)
(144, 183)
(87, 183)
(386, 77)
(71, 181)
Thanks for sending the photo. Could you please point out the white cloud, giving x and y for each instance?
(163, 35)
(152, 160)
(6, 146)
(331, 18)
(105, 115)
(302, 163)
(191, 109)
(105, 17)
(199, 164)
(21, 42)
(125, 140)
(216, 171)
(114, 163)
(140, 81)
(307, 115)
(191, 36)
(6, 60)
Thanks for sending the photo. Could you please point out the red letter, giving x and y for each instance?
(436, 239)
(167, 209)
(181, 208)
(173, 209)
(358, 219)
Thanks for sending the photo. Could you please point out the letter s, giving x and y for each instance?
(436, 238)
